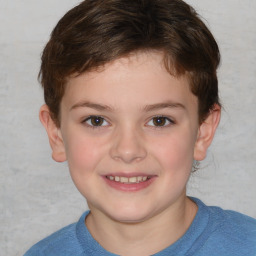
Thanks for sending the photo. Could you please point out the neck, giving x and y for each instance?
(144, 238)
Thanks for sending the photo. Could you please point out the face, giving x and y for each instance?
(129, 134)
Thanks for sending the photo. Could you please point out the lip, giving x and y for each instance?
(129, 187)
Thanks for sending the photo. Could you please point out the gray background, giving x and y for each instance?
(37, 194)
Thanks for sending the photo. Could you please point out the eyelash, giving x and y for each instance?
(165, 119)
(88, 122)
(90, 118)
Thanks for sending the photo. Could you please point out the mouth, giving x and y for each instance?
(128, 180)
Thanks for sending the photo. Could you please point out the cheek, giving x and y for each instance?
(83, 154)
(176, 153)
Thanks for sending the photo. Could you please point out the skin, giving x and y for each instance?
(130, 95)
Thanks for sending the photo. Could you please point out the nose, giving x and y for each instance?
(128, 146)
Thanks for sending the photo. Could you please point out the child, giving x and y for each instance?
(131, 102)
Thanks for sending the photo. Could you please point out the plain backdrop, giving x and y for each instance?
(37, 194)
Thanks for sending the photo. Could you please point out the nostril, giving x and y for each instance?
(127, 145)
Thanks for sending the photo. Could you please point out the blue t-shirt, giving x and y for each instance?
(213, 232)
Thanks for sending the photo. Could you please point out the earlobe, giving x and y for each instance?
(206, 133)
(54, 134)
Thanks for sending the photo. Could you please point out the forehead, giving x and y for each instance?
(138, 79)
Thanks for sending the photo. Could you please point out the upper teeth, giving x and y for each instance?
(121, 179)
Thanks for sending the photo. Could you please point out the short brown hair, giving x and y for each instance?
(99, 31)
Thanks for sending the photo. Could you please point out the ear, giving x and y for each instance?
(54, 134)
(206, 133)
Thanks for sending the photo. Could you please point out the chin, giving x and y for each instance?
(130, 215)
(124, 212)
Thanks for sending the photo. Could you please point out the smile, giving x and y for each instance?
(128, 180)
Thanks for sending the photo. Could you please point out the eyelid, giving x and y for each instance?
(168, 119)
(85, 121)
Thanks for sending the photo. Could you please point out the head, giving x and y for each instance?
(132, 99)
(97, 32)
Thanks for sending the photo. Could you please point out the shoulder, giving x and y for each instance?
(63, 242)
(234, 223)
(220, 218)
(229, 232)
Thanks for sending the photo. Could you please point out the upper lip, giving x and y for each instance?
(129, 175)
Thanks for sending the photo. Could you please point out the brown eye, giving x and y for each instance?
(159, 121)
(96, 121)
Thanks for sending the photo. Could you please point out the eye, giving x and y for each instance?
(96, 121)
(160, 121)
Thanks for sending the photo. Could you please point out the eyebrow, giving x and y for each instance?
(147, 108)
(164, 105)
(91, 105)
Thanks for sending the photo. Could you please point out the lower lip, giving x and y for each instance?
(132, 187)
